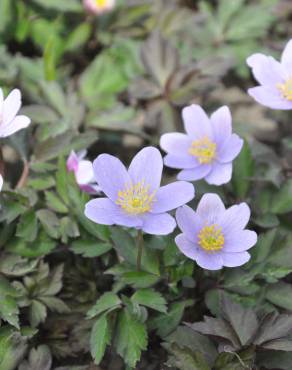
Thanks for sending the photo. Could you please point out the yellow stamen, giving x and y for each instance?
(286, 89)
(101, 3)
(204, 150)
(211, 238)
(136, 199)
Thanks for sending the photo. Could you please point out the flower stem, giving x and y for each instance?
(140, 245)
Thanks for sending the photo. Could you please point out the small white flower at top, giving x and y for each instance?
(98, 6)
(10, 122)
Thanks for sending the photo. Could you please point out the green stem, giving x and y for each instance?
(140, 245)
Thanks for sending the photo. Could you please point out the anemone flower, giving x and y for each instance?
(207, 149)
(275, 79)
(214, 236)
(134, 196)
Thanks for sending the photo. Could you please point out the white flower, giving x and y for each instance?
(1, 182)
(9, 121)
(98, 6)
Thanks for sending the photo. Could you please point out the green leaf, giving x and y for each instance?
(50, 222)
(282, 200)
(90, 248)
(139, 279)
(12, 348)
(280, 294)
(50, 59)
(150, 298)
(243, 170)
(55, 203)
(107, 301)
(27, 227)
(78, 37)
(131, 338)
(185, 359)
(60, 6)
(160, 59)
(166, 323)
(99, 338)
(37, 313)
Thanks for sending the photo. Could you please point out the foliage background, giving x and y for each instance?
(70, 294)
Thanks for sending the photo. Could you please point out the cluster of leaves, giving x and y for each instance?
(70, 292)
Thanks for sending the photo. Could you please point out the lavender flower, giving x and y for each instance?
(98, 6)
(135, 198)
(214, 236)
(206, 150)
(9, 121)
(83, 172)
(275, 79)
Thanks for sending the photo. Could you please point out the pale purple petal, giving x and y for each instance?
(235, 259)
(159, 224)
(188, 248)
(209, 261)
(286, 59)
(189, 222)
(221, 122)
(10, 127)
(266, 70)
(11, 105)
(72, 162)
(147, 166)
(186, 161)
(84, 172)
(196, 122)
(235, 218)
(230, 149)
(220, 174)
(210, 208)
(111, 175)
(1, 101)
(239, 240)
(175, 143)
(194, 174)
(173, 195)
(269, 97)
(104, 211)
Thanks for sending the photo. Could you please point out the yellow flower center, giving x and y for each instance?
(286, 89)
(204, 150)
(136, 199)
(101, 3)
(211, 238)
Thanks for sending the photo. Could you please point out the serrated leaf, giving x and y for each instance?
(282, 200)
(280, 294)
(131, 338)
(37, 313)
(185, 359)
(27, 227)
(55, 203)
(150, 298)
(164, 324)
(90, 248)
(99, 338)
(160, 59)
(50, 222)
(107, 301)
